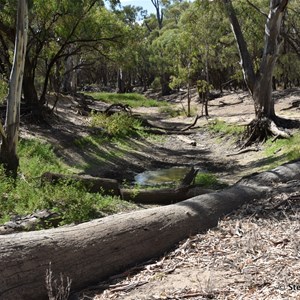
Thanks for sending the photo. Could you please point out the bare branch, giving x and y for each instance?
(257, 8)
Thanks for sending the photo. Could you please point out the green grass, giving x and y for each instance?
(134, 100)
(283, 150)
(37, 157)
(70, 200)
(219, 126)
(207, 180)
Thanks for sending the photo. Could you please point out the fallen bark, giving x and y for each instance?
(92, 251)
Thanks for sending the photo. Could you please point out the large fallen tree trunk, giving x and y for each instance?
(92, 251)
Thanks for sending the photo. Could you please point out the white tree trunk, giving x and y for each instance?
(8, 151)
(262, 92)
(260, 84)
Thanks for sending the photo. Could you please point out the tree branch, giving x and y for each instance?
(257, 8)
(246, 61)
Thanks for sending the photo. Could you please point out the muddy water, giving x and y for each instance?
(161, 176)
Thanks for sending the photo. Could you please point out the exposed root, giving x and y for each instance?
(193, 124)
(260, 129)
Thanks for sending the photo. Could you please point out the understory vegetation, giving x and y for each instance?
(283, 150)
(117, 125)
(69, 200)
(133, 100)
(219, 126)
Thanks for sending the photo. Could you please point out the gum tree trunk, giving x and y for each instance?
(263, 87)
(260, 84)
(10, 132)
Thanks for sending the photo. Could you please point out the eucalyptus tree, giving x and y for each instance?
(259, 82)
(167, 16)
(10, 131)
(57, 30)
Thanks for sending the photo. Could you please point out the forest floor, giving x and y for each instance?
(214, 153)
(253, 253)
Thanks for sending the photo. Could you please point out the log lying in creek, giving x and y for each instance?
(161, 196)
(92, 251)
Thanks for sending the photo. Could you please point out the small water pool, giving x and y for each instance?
(161, 176)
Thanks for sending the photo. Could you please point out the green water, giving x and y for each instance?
(161, 176)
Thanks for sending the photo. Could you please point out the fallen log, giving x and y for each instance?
(92, 251)
(92, 184)
(161, 196)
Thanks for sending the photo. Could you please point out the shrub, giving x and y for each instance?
(118, 124)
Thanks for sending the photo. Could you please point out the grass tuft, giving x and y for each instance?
(283, 150)
(219, 126)
(206, 180)
(117, 125)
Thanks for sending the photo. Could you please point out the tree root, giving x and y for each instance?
(260, 129)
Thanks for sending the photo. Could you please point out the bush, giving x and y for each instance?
(118, 124)
(206, 180)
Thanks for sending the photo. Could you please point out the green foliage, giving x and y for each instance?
(37, 157)
(132, 99)
(69, 199)
(203, 87)
(206, 180)
(219, 126)
(3, 89)
(118, 124)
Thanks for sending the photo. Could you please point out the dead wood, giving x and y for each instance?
(245, 150)
(156, 196)
(189, 178)
(260, 129)
(92, 251)
(92, 184)
(222, 103)
(193, 124)
(294, 104)
(117, 107)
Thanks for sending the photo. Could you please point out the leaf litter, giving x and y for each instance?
(253, 253)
